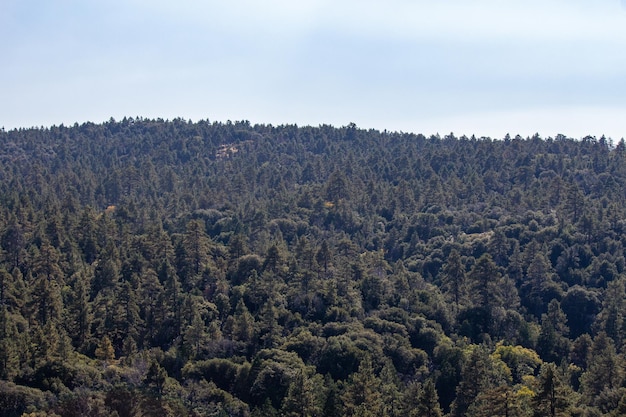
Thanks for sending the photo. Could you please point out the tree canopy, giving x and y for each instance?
(152, 267)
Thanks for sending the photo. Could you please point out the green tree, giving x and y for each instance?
(302, 399)
(486, 283)
(78, 311)
(539, 286)
(480, 373)
(9, 357)
(390, 391)
(362, 395)
(105, 351)
(324, 256)
(127, 320)
(453, 278)
(580, 305)
(552, 398)
(269, 329)
(337, 187)
(611, 318)
(195, 257)
(604, 370)
(46, 263)
(9, 293)
(497, 402)
(333, 406)
(195, 336)
(553, 342)
(46, 300)
(13, 241)
(244, 328)
(106, 272)
(155, 379)
(427, 401)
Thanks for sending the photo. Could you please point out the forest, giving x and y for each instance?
(155, 267)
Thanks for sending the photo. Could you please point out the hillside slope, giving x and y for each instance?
(154, 267)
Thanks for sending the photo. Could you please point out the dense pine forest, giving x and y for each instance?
(171, 268)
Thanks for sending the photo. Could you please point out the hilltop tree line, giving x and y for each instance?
(152, 267)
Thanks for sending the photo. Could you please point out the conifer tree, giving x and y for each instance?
(454, 279)
(172, 288)
(244, 329)
(362, 396)
(332, 406)
(553, 343)
(427, 401)
(611, 317)
(195, 336)
(302, 399)
(604, 370)
(105, 351)
(497, 402)
(196, 247)
(47, 303)
(486, 283)
(552, 397)
(270, 329)
(479, 375)
(9, 358)
(539, 286)
(128, 323)
(391, 395)
(155, 378)
(79, 311)
(9, 295)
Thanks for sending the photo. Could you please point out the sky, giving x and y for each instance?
(468, 67)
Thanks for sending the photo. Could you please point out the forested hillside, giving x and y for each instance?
(152, 268)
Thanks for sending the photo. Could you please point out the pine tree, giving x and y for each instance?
(195, 250)
(427, 401)
(270, 329)
(87, 236)
(46, 263)
(106, 272)
(8, 291)
(362, 394)
(13, 241)
(9, 358)
(539, 286)
(390, 391)
(151, 305)
(479, 375)
(323, 256)
(47, 303)
(195, 336)
(553, 343)
(552, 397)
(604, 370)
(78, 323)
(244, 328)
(302, 399)
(265, 410)
(105, 351)
(454, 279)
(173, 290)
(155, 379)
(486, 283)
(611, 318)
(332, 406)
(127, 322)
(496, 402)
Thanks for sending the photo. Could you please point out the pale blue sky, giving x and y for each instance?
(484, 67)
